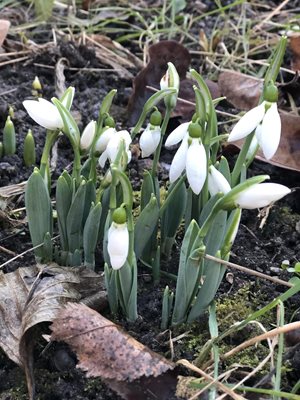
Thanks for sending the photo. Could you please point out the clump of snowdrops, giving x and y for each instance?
(202, 194)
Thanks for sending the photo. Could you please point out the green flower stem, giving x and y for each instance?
(158, 150)
(51, 137)
(76, 166)
(240, 162)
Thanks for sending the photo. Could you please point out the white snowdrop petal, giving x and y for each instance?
(261, 195)
(104, 139)
(271, 131)
(125, 135)
(217, 182)
(44, 113)
(103, 158)
(88, 135)
(179, 161)
(196, 166)
(149, 141)
(118, 244)
(177, 135)
(112, 147)
(247, 123)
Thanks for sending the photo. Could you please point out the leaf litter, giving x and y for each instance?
(35, 294)
(103, 349)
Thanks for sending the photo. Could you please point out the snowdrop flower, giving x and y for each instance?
(265, 120)
(104, 138)
(118, 239)
(112, 147)
(151, 136)
(44, 113)
(260, 195)
(190, 156)
(88, 135)
(217, 182)
(170, 80)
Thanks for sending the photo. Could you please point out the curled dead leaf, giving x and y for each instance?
(103, 348)
(31, 295)
(159, 55)
(242, 91)
(4, 27)
(294, 44)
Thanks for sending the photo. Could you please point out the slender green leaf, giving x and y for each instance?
(145, 226)
(38, 210)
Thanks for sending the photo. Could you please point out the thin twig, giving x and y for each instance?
(24, 252)
(16, 60)
(220, 385)
(248, 270)
(271, 15)
(274, 332)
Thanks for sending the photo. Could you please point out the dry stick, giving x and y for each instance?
(225, 374)
(15, 53)
(274, 332)
(271, 15)
(13, 61)
(24, 252)
(78, 69)
(220, 385)
(248, 271)
(260, 365)
(5, 250)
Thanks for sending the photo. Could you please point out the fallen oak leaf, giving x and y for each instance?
(4, 28)
(242, 91)
(102, 348)
(32, 295)
(294, 45)
(159, 55)
(148, 79)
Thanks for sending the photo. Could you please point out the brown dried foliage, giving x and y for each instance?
(103, 348)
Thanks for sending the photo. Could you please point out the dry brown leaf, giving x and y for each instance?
(115, 55)
(148, 80)
(4, 27)
(102, 348)
(294, 40)
(243, 92)
(31, 295)
(159, 55)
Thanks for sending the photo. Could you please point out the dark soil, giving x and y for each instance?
(260, 249)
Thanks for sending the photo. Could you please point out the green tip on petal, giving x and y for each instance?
(110, 122)
(195, 130)
(155, 118)
(119, 216)
(271, 93)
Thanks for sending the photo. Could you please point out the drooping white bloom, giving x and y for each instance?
(88, 135)
(267, 126)
(44, 113)
(217, 182)
(190, 156)
(261, 195)
(196, 165)
(118, 244)
(104, 138)
(177, 135)
(149, 140)
(112, 147)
